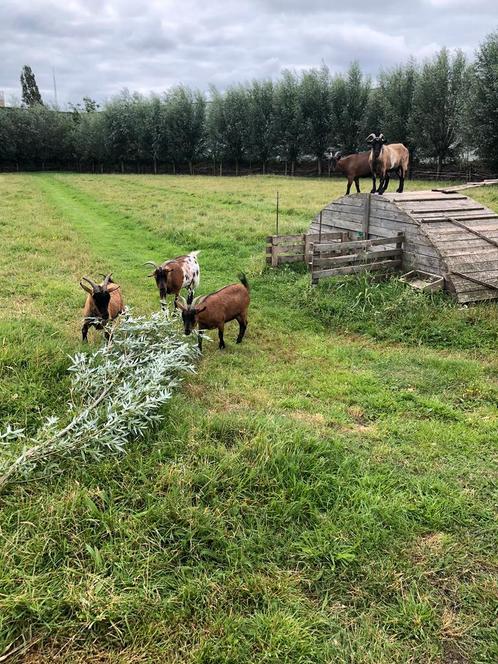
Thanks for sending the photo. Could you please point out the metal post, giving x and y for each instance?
(277, 217)
(320, 229)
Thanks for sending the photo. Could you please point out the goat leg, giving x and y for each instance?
(242, 329)
(220, 337)
(84, 333)
(399, 190)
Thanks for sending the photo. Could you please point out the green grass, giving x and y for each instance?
(321, 493)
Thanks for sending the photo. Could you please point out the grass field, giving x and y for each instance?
(325, 492)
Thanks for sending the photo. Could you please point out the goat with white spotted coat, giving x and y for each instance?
(175, 274)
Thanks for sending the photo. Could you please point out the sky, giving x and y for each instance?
(97, 47)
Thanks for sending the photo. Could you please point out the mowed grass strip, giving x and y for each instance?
(310, 498)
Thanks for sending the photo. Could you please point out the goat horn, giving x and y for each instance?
(370, 138)
(107, 280)
(181, 303)
(85, 288)
(92, 283)
(152, 263)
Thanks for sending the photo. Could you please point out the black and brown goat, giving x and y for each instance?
(175, 274)
(103, 303)
(385, 158)
(354, 167)
(213, 311)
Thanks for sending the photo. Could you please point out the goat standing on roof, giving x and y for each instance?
(175, 274)
(385, 158)
(103, 302)
(354, 167)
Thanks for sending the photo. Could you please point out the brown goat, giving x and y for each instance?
(214, 310)
(354, 167)
(175, 274)
(103, 302)
(385, 158)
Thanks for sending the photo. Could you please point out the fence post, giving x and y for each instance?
(274, 256)
(314, 279)
(365, 226)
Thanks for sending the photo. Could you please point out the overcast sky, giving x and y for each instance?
(98, 47)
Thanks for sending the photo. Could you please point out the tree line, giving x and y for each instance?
(441, 109)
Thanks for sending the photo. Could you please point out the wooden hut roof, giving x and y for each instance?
(463, 234)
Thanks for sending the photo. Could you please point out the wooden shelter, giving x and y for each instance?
(445, 234)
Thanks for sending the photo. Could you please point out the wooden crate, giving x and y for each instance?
(423, 281)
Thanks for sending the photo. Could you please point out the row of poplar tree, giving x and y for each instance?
(441, 109)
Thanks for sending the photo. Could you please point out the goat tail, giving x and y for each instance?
(243, 280)
(194, 254)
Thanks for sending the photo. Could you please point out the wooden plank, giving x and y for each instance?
(474, 264)
(373, 256)
(356, 244)
(456, 236)
(427, 220)
(274, 239)
(411, 198)
(289, 259)
(313, 237)
(476, 296)
(354, 269)
(468, 185)
(473, 230)
(481, 280)
(444, 210)
(365, 224)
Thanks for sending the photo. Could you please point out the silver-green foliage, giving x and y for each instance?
(116, 395)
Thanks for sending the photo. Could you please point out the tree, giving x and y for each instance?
(30, 93)
(228, 123)
(156, 130)
(350, 97)
(289, 121)
(397, 88)
(262, 121)
(185, 117)
(124, 128)
(316, 102)
(483, 106)
(436, 126)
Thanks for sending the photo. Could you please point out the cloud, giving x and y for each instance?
(98, 47)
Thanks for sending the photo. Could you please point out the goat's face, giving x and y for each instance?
(334, 160)
(189, 313)
(376, 143)
(160, 274)
(101, 299)
(161, 277)
(189, 319)
(101, 294)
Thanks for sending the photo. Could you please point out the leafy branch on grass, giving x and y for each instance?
(116, 394)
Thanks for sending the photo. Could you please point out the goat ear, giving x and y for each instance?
(112, 287)
(370, 138)
(181, 304)
(200, 310)
(86, 288)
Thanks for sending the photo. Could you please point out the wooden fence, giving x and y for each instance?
(329, 259)
(282, 249)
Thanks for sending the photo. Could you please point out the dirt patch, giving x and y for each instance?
(309, 418)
